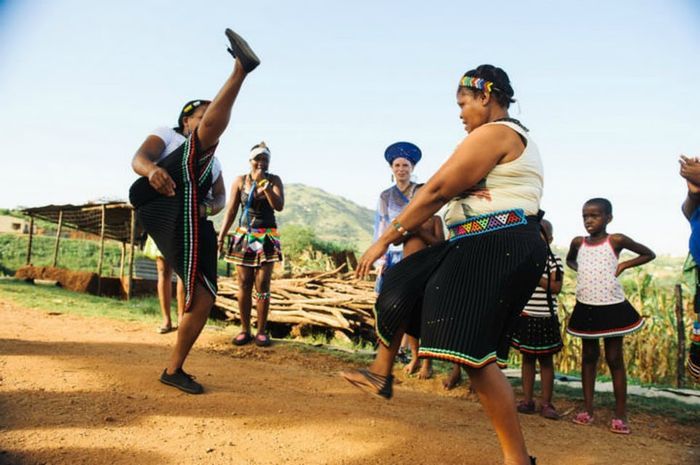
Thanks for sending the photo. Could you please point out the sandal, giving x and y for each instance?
(583, 418)
(371, 383)
(242, 338)
(526, 407)
(165, 329)
(549, 412)
(619, 426)
(262, 340)
(241, 50)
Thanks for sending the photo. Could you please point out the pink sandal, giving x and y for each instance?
(583, 418)
(619, 426)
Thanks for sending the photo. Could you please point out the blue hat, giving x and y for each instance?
(406, 150)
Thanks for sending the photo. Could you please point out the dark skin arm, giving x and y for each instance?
(554, 285)
(274, 192)
(218, 190)
(573, 253)
(432, 233)
(231, 210)
(621, 242)
(483, 149)
(144, 164)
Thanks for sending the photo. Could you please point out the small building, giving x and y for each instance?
(13, 225)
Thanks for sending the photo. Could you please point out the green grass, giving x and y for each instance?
(59, 300)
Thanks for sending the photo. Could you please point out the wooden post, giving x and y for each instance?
(58, 238)
(102, 251)
(29, 245)
(680, 362)
(132, 239)
(121, 261)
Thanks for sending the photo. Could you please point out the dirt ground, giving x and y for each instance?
(76, 390)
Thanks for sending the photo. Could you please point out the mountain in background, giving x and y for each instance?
(331, 217)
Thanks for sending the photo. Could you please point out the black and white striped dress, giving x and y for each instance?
(537, 330)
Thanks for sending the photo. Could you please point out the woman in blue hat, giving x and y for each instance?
(402, 158)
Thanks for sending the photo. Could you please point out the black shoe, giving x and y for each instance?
(182, 381)
(241, 50)
(533, 460)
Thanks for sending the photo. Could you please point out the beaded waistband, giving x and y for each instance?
(486, 223)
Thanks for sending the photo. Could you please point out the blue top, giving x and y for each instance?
(694, 242)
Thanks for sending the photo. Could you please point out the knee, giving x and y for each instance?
(590, 355)
(245, 283)
(615, 360)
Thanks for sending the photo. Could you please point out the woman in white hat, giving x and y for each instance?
(256, 243)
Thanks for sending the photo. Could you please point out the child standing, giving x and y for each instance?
(537, 334)
(601, 309)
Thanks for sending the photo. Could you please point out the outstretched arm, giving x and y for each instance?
(572, 255)
(620, 242)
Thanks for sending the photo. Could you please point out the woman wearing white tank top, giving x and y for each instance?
(601, 309)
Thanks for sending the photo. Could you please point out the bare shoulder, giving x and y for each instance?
(618, 239)
(577, 241)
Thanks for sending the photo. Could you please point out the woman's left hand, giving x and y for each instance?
(371, 255)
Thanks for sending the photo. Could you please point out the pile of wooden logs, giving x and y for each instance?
(330, 300)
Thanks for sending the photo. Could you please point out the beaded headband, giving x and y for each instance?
(477, 83)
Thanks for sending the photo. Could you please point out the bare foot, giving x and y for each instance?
(454, 379)
(411, 367)
(426, 369)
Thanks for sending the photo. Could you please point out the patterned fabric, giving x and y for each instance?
(187, 242)
(487, 223)
(391, 202)
(596, 283)
(596, 321)
(254, 247)
(537, 335)
(463, 297)
(538, 305)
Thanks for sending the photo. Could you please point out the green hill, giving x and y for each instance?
(331, 217)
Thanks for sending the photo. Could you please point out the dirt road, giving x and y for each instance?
(78, 390)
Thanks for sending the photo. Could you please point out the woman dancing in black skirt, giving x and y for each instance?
(462, 297)
(169, 205)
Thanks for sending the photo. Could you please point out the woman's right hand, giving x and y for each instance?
(161, 181)
(371, 255)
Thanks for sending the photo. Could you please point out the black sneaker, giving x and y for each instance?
(240, 49)
(182, 381)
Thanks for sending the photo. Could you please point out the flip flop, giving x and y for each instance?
(240, 49)
(619, 426)
(242, 338)
(262, 340)
(165, 329)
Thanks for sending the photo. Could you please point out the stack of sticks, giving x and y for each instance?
(332, 300)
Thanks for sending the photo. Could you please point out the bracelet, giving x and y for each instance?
(403, 231)
(207, 209)
(263, 183)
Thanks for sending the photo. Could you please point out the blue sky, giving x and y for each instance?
(608, 89)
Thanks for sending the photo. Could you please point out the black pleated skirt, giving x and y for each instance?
(596, 321)
(463, 297)
(187, 242)
(537, 335)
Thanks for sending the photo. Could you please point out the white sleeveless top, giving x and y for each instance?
(596, 283)
(515, 184)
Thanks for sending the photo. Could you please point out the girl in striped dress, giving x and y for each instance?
(537, 334)
(601, 310)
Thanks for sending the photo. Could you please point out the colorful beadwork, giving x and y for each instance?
(261, 295)
(487, 223)
(476, 83)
